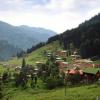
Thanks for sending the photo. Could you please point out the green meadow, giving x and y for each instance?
(90, 92)
(37, 55)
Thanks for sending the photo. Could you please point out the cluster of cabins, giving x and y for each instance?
(84, 67)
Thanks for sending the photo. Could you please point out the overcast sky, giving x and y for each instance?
(57, 15)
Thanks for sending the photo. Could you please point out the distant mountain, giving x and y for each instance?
(22, 37)
(7, 50)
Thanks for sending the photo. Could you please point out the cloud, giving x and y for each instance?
(21, 4)
(37, 2)
(84, 6)
(58, 15)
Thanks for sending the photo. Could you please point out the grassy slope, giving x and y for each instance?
(2, 69)
(76, 93)
(36, 55)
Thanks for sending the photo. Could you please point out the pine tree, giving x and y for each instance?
(23, 62)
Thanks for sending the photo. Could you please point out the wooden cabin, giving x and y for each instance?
(61, 53)
(91, 74)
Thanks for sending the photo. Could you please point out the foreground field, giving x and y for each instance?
(76, 93)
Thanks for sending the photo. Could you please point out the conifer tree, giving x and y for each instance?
(23, 62)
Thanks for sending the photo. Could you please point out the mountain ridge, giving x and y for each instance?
(34, 35)
(23, 36)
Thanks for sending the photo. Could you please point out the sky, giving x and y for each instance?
(56, 15)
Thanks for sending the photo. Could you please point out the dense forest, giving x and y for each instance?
(86, 38)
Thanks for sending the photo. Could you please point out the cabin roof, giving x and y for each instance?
(91, 70)
(65, 62)
(64, 51)
(58, 58)
(73, 71)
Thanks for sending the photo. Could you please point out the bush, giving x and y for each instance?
(95, 58)
(60, 81)
(74, 79)
(1, 92)
(52, 83)
(21, 80)
(5, 77)
(1, 95)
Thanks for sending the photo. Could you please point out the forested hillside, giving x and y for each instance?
(86, 37)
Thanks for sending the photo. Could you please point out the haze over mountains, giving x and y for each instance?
(16, 38)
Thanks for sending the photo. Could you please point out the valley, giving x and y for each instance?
(65, 67)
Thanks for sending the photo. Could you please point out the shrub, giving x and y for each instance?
(1, 92)
(52, 83)
(20, 80)
(1, 95)
(5, 77)
(94, 58)
(59, 81)
(74, 79)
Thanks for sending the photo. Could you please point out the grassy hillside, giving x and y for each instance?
(2, 69)
(75, 93)
(37, 55)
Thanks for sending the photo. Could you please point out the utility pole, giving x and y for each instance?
(97, 98)
(65, 85)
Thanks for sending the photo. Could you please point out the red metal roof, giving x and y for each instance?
(73, 71)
